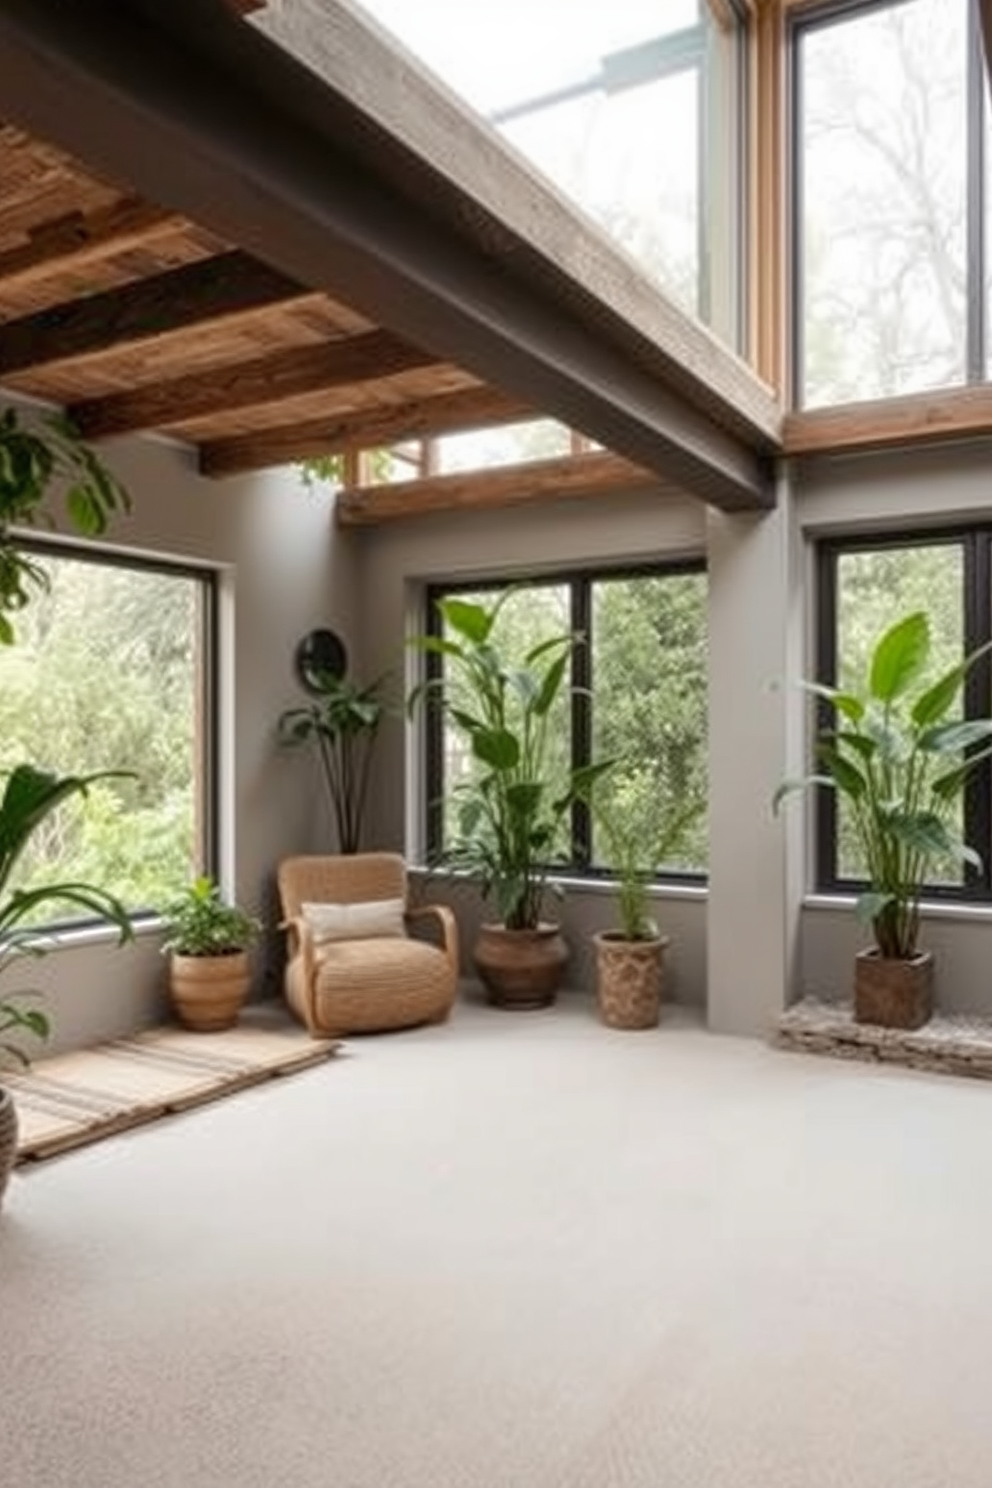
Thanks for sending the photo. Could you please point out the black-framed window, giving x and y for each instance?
(114, 668)
(864, 585)
(638, 695)
(889, 135)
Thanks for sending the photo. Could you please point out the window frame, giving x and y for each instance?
(580, 583)
(207, 699)
(975, 542)
(800, 22)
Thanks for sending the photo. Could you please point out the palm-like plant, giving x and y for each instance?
(511, 810)
(901, 764)
(343, 722)
(30, 795)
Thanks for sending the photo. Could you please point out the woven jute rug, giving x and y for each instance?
(80, 1097)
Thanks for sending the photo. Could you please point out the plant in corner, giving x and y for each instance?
(513, 804)
(899, 761)
(343, 722)
(630, 959)
(207, 939)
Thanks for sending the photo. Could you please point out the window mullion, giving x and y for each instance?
(976, 248)
(581, 619)
(978, 701)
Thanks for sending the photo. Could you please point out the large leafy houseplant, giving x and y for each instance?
(512, 806)
(896, 756)
(343, 722)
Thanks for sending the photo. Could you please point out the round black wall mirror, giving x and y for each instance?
(319, 654)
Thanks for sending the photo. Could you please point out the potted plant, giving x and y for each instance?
(207, 940)
(511, 807)
(343, 722)
(630, 959)
(29, 797)
(899, 761)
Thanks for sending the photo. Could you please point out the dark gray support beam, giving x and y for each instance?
(194, 109)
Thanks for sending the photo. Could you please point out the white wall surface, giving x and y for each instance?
(284, 570)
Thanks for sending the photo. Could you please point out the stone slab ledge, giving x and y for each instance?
(951, 1043)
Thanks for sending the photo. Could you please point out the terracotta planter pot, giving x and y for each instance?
(520, 969)
(208, 992)
(892, 993)
(8, 1137)
(629, 979)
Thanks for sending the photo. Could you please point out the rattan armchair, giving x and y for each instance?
(352, 966)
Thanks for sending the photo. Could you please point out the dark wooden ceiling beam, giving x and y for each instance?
(194, 107)
(352, 361)
(210, 290)
(597, 474)
(444, 413)
(80, 241)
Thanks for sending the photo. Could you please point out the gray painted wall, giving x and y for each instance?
(395, 565)
(758, 939)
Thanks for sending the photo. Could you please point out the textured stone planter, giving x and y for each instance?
(8, 1138)
(892, 993)
(630, 977)
(208, 992)
(520, 969)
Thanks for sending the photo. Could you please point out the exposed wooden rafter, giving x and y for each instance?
(78, 242)
(445, 413)
(594, 474)
(393, 197)
(268, 379)
(227, 285)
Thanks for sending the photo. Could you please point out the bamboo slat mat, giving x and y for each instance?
(80, 1097)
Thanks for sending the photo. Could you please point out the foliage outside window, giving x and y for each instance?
(865, 585)
(632, 109)
(639, 695)
(112, 664)
(890, 119)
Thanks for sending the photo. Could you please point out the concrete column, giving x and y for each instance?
(755, 723)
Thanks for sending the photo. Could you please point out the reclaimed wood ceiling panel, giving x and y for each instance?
(135, 318)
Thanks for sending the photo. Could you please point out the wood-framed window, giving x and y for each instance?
(889, 199)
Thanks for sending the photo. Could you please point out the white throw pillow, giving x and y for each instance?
(372, 921)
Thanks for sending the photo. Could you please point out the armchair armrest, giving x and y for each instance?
(299, 946)
(448, 926)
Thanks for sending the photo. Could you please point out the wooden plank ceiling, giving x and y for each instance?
(220, 322)
(134, 319)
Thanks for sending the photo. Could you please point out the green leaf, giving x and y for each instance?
(846, 776)
(469, 620)
(934, 703)
(871, 904)
(954, 738)
(551, 686)
(497, 748)
(793, 787)
(900, 657)
(845, 702)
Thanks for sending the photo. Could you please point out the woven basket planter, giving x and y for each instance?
(208, 992)
(8, 1137)
(629, 979)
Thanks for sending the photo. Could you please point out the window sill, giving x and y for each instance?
(605, 887)
(930, 909)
